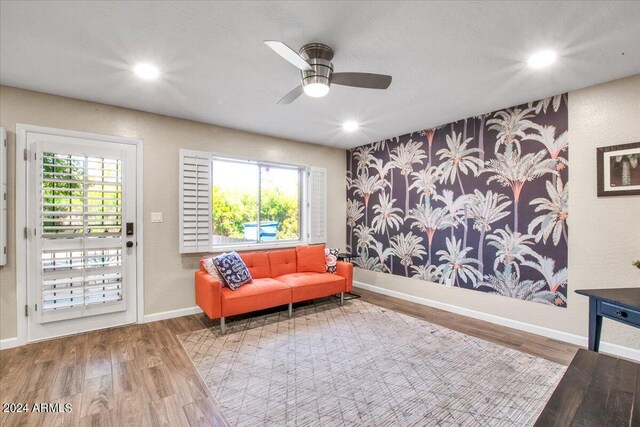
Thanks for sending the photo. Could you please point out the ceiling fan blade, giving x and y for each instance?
(363, 80)
(289, 54)
(292, 96)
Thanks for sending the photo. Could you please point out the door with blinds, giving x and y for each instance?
(81, 235)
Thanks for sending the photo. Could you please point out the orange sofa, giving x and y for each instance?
(276, 281)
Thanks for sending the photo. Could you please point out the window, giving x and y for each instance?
(244, 194)
(232, 204)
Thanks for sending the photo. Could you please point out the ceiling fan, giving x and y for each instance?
(314, 62)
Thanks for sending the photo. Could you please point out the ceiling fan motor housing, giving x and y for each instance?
(319, 57)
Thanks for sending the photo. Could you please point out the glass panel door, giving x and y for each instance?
(82, 194)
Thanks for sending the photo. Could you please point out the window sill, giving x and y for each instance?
(257, 246)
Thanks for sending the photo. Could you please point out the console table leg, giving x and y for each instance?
(595, 325)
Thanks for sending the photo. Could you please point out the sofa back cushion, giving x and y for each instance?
(311, 259)
(257, 263)
(282, 262)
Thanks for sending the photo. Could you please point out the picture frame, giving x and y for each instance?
(618, 170)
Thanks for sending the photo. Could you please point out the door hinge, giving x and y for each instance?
(26, 311)
(26, 232)
(36, 307)
(26, 155)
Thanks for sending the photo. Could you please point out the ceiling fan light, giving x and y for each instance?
(316, 90)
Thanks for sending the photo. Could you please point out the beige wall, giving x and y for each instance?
(604, 233)
(168, 275)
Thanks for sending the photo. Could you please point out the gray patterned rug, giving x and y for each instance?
(361, 364)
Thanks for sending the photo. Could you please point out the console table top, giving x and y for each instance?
(628, 297)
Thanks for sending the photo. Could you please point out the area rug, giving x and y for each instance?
(360, 364)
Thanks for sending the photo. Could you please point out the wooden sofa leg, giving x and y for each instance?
(341, 298)
(290, 309)
(222, 326)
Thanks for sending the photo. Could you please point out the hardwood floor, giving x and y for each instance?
(129, 376)
(140, 375)
(554, 350)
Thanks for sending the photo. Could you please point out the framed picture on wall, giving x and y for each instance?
(618, 168)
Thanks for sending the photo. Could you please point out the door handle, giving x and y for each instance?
(129, 244)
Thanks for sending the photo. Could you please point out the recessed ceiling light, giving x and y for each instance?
(350, 126)
(146, 71)
(542, 58)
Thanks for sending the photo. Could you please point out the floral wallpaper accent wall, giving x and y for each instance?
(480, 203)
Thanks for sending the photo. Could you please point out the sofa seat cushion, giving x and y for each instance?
(256, 295)
(306, 286)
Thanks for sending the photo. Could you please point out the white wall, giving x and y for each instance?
(604, 233)
(168, 275)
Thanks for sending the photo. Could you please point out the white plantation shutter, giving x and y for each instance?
(195, 201)
(317, 212)
(80, 229)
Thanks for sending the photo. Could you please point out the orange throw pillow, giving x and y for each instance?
(311, 259)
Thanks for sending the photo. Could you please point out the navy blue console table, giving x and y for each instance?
(620, 304)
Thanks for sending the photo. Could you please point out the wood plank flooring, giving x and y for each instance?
(597, 390)
(554, 350)
(136, 375)
(140, 375)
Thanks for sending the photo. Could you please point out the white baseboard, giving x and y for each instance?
(171, 314)
(605, 347)
(8, 343)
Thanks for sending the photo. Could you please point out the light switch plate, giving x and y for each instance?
(156, 216)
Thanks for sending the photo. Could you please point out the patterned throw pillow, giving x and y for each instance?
(232, 269)
(331, 255)
(211, 268)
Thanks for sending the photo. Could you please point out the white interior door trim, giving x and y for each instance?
(21, 216)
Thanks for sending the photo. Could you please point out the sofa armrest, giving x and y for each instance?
(208, 294)
(345, 269)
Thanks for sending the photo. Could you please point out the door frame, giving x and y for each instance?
(21, 217)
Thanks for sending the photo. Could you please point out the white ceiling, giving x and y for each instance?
(449, 60)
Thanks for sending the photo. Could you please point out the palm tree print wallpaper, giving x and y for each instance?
(480, 203)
